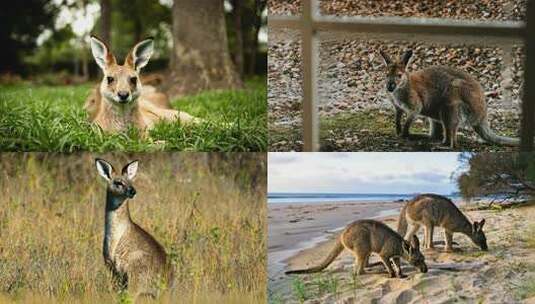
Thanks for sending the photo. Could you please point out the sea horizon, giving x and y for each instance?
(323, 197)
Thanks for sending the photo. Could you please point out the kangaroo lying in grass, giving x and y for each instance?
(447, 96)
(430, 210)
(137, 261)
(365, 237)
(121, 101)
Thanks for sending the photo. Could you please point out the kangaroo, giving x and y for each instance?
(137, 261)
(121, 101)
(446, 96)
(365, 237)
(148, 92)
(430, 210)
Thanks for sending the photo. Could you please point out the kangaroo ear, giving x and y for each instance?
(481, 223)
(386, 58)
(101, 53)
(475, 227)
(415, 242)
(104, 169)
(406, 57)
(139, 56)
(130, 169)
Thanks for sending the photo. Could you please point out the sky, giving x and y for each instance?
(362, 172)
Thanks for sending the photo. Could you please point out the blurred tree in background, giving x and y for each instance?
(22, 22)
(505, 175)
(50, 37)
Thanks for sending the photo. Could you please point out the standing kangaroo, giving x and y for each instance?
(121, 101)
(430, 210)
(365, 237)
(137, 261)
(447, 96)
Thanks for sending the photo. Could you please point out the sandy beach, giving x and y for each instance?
(294, 228)
(301, 236)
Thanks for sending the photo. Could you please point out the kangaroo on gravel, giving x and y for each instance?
(365, 237)
(137, 261)
(447, 96)
(430, 210)
(121, 101)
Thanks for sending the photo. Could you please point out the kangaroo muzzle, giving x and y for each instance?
(390, 86)
(423, 268)
(131, 192)
(123, 96)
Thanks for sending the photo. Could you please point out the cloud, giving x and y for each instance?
(361, 172)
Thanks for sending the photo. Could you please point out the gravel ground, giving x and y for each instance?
(351, 73)
(457, 9)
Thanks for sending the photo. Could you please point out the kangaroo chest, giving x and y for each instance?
(401, 98)
(119, 119)
(114, 233)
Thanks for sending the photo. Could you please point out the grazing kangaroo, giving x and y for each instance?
(137, 261)
(447, 96)
(430, 210)
(121, 101)
(365, 237)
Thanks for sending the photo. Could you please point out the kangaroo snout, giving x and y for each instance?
(123, 96)
(391, 86)
(131, 192)
(423, 268)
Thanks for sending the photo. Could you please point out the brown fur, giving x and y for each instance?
(365, 237)
(431, 210)
(137, 261)
(143, 107)
(447, 96)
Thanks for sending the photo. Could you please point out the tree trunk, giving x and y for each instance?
(259, 6)
(105, 13)
(85, 64)
(200, 59)
(237, 11)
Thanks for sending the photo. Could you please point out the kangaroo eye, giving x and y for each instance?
(133, 80)
(110, 79)
(118, 184)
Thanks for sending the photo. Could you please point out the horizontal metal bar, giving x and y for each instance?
(403, 25)
(282, 22)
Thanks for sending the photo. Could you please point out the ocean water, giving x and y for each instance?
(341, 197)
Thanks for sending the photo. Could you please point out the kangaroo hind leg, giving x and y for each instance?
(436, 131)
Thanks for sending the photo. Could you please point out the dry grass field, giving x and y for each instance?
(208, 211)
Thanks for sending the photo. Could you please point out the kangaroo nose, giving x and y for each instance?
(131, 192)
(391, 86)
(123, 95)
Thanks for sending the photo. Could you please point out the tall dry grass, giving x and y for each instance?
(207, 210)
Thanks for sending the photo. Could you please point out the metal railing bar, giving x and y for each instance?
(309, 58)
(528, 100)
(405, 25)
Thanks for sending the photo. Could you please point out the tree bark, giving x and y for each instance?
(237, 11)
(105, 26)
(200, 59)
(259, 6)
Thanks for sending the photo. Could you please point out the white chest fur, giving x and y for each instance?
(115, 229)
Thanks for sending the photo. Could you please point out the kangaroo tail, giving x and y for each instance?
(402, 221)
(484, 130)
(338, 248)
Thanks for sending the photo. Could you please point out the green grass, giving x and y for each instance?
(371, 130)
(318, 286)
(526, 289)
(46, 118)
